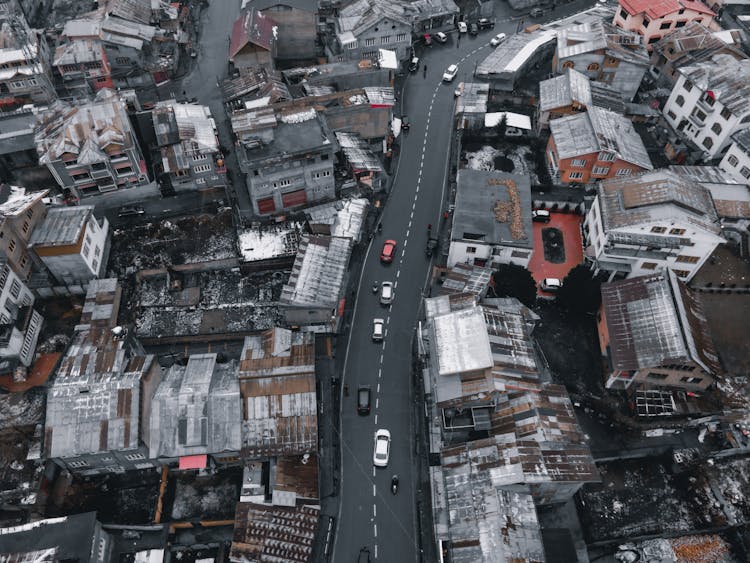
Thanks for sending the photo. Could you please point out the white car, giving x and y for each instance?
(499, 38)
(382, 448)
(441, 37)
(450, 73)
(550, 284)
(378, 327)
(386, 293)
(463, 27)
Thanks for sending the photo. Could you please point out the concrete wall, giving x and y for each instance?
(737, 163)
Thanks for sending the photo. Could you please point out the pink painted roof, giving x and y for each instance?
(193, 461)
(660, 8)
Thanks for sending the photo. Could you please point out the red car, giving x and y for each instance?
(389, 249)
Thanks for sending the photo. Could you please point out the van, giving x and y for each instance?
(462, 27)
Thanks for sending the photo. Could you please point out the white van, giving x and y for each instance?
(462, 27)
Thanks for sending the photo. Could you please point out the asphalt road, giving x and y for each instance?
(370, 515)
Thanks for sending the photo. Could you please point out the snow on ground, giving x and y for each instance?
(483, 159)
(271, 241)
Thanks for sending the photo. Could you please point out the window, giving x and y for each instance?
(649, 265)
(600, 170)
(624, 172)
(86, 249)
(578, 163)
(665, 25)
(682, 273)
(385, 39)
(657, 376)
(15, 289)
(568, 64)
(687, 259)
(671, 115)
(708, 142)
(122, 60)
(658, 230)
(95, 265)
(575, 175)
(687, 85)
(369, 42)
(681, 11)
(282, 184)
(732, 160)
(77, 464)
(3, 276)
(401, 37)
(646, 22)
(607, 156)
(679, 100)
(693, 380)
(23, 261)
(124, 171)
(709, 99)
(97, 251)
(726, 114)
(745, 171)
(353, 45)
(323, 157)
(199, 157)
(653, 39)
(593, 66)
(369, 54)
(12, 245)
(680, 24)
(202, 168)
(624, 13)
(716, 128)
(25, 227)
(676, 231)
(30, 213)
(471, 250)
(133, 457)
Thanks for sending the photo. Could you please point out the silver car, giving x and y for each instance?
(386, 293)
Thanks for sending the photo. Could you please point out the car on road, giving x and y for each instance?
(536, 13)
(382, 448)
(389, 251)
(386, 293)
(462, 27)
(432, 244)
(441, 37)
(450, 73)
(378, 328)
(363, 400)
(540, 215)
(364, 555)
(414, 64)
(550, 284)
(130, 211)
(473, 29)
(405, 125)
(499, 38)
(485, 23)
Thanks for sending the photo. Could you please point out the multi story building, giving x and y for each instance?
(72, 245)
(595, 145)
(654, 221)
(492, 219)
(737, 159)
(83, 65)
(654, 20)
(25, 74)
(604, 53)
(14, 293)
(653, 333)
(18, 340)
(20, 213)
(188, 146)
(710, 102)
(91, 148)
(289, 164)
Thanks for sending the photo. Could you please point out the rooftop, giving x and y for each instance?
(725, 76)
(68, 538)
(265, 242)
(461, 342)
(659, 8)
(361, 15)
(466, 278)
(62, 226)
(189, 124)
(343, 218)
(254, 27)
(601, 36)
(658, 196)
(294, 134)
(493, 207)
(742, 139)
(599, 130)
(568, 89)
(277, 351)
(655, 320)
(15, 200)
(196, 409)
(358, 153)
(510, 57)
(78, 51)
(692, 44)
(318, 273)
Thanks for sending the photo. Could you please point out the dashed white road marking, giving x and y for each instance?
(376, 423)
(375, 530)
(376, 551)
(398, 273)
(373, 469)
(374, 510)
(374, 490)
(378, 391)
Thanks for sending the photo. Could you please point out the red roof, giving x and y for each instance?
(252, 27)
(193, 462)
(659, 8)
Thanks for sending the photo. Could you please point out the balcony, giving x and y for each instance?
(96, 174)
(704, 105)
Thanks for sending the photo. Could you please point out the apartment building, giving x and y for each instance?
(653, 333)
(595, 145)
(654, 20)
(651, 222)
(604, 53)
(737, 159)
(710, 102)
(20, 213)
(91, 148)
(83, 64)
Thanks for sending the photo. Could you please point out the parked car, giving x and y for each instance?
(363, 399)
(473, 29)
(536, 13)
(405, 125)
(386, 293)
(485, 23)
(389, 250)
(441, 37)
(378, 330)
(450, 73)
(540, 215)
(427, 38)
(382, 448)
(432, 244)
(414, 64)
(550, 284)
(364, 555)
(462, 27)
(499, 38)
(130, 210)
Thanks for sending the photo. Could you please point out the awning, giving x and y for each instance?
(193, 462)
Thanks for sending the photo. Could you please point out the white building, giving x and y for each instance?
(710, 102)
(72, 244)
(13, 292)
(737, 160)
(492, 219)
(650, 222)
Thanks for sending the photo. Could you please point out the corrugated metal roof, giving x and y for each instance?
(61, 226)
(461, 342)
(726, 77)
(565, 90)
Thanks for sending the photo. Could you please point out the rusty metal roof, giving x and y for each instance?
(296, 478)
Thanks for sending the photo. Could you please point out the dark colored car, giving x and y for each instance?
(414, 64)
(486, 23)
(405, 125)
(473, 29)
(432, 244)
(130, 211)
(364, 555)
(363, 400)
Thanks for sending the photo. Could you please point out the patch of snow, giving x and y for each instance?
(299, 117)
(270, 242)
(483, 159)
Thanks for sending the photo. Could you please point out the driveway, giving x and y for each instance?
(565, 226)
